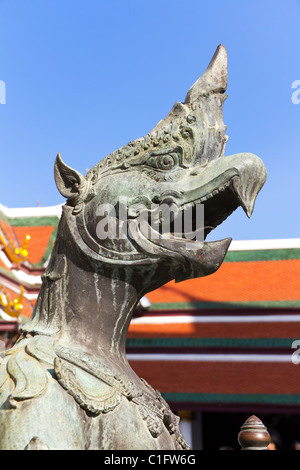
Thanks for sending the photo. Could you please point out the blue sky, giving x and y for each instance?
(84, 77)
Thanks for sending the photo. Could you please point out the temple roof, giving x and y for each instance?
(26, 239)
(255, 273)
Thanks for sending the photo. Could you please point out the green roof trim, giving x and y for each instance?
(7, 272)
(4, 218)
(235, 399)
(210, 342)
(34, 221)
(263, 255)
(225, 305)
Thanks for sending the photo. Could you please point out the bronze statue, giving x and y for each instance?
(67, 384)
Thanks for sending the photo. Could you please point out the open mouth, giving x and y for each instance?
(218, 207)
(194, 220)
(199, 205)
(177, 228)
(190, 221)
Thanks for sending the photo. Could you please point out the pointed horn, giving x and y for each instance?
(214, 79)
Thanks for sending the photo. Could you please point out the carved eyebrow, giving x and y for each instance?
(164, 151)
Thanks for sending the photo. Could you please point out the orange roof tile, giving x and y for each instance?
(40, 238)
(237, 282)
(211, 377)
(215, 330)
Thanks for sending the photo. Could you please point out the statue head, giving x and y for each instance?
(153, 201)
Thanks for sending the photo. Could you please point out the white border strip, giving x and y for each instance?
(189, 319)
(34, 280)
(242, 245)
(211, 357)
(5, 260)
(32, 211)
(17, 289)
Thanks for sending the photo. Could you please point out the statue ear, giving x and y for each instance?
(69, 182)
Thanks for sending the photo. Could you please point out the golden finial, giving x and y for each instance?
(14, 307)
(23, 249)
(15, 253)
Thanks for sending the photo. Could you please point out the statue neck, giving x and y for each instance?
(89, 306)
(85, 309)
(82, 305)
(98, 310)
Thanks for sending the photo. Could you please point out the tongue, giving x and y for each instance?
(205, 261)
(191, 258)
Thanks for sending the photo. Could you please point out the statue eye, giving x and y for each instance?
(163, 162)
